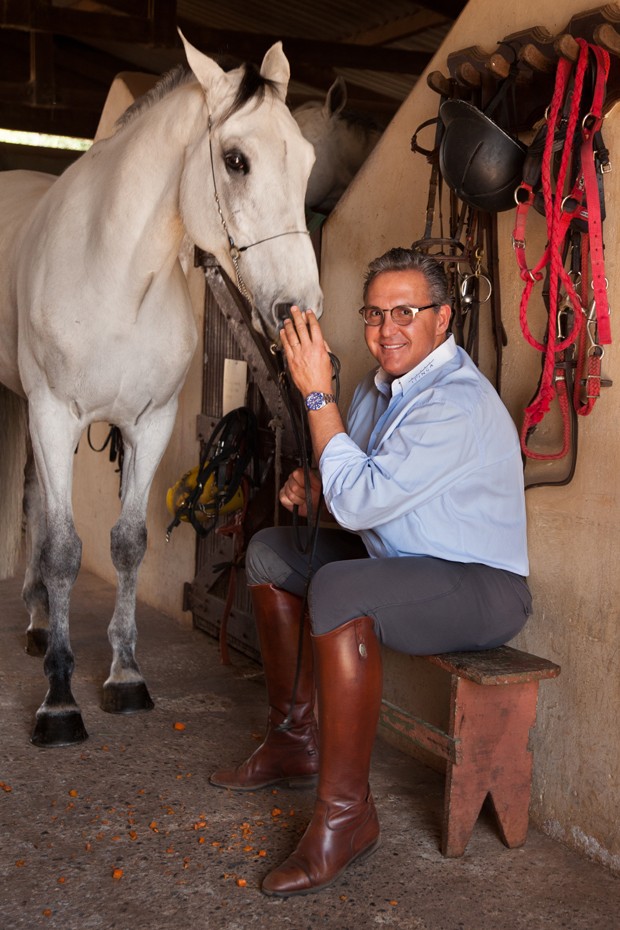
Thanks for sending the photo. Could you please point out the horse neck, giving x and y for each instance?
(141, 167)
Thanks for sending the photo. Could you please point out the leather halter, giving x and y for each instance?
(236, 250)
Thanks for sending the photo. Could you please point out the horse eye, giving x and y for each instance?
(236, 162)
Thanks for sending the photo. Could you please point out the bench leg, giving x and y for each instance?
(491, 724)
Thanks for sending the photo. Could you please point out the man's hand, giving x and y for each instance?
(307, 353)
(310, 367)
(294, 491)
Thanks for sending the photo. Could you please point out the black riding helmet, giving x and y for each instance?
(480, 162)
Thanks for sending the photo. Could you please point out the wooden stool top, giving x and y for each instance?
(501, 666)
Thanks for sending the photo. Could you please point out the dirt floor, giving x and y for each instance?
(124, 831)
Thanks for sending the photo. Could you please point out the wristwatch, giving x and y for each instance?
(317, 400)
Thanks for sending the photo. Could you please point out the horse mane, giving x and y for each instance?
(252, 85)
(361, 120)
(178, 75)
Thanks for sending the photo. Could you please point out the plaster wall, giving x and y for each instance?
(573, 530)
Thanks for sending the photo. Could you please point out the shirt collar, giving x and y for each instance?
(387, 385)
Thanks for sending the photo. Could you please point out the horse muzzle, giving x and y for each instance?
(281, 310)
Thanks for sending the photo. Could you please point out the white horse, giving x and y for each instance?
(97, 323)
(342, 142)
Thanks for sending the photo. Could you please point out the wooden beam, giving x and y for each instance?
(16, 112)
(242, 45)
(89, 63)
(42, 75)
(451, 9)
(397, 29)
(247, 46)
(36, 17)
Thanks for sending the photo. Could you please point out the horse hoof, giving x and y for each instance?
(58, 729)
(36, 642)
(128, 698)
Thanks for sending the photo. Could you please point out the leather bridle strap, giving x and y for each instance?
(234, 249)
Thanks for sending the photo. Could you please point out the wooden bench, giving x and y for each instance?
(486, 747)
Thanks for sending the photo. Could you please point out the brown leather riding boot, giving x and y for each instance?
(344, 826)
(291, 755)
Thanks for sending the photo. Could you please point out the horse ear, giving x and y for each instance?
(204, 68)
(336, 99)
(275, 67)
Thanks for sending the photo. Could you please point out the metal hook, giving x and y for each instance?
(594, 349)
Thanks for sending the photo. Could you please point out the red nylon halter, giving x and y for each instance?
(559, 212)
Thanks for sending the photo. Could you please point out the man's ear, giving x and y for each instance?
(443, 318)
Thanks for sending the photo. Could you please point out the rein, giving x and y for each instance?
(309, 549)
(235, 250)
(114, 440)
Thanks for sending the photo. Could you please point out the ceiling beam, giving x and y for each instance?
(397, 29)
(14, 14)
(251, 46)
(79, 117)
(68, 21)
(451, 9)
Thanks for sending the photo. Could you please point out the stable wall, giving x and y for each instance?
(573, 530)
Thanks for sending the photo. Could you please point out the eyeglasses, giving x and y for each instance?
(402, 315)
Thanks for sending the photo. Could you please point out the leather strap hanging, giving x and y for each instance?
(472, 237)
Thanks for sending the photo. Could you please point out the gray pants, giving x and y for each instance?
(419, 605)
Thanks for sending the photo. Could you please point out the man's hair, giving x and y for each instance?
(399, 259)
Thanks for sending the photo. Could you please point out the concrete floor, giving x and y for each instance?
(134, 802)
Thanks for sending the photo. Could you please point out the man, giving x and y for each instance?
(426, 484)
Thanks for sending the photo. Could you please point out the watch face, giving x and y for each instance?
(315, 400)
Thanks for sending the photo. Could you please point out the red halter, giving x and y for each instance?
(568, 291)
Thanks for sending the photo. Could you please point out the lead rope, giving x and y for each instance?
(560, 212)
(313, 524)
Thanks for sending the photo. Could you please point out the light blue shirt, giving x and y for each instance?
(431, 465)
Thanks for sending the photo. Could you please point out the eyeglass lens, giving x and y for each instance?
(402, 315)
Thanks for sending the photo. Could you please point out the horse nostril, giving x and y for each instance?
(282, 312)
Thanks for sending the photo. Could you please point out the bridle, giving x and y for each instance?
(234, 249)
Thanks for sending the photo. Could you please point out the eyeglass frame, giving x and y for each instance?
(415, 310)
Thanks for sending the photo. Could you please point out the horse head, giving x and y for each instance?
(342, 141)
(243, 186)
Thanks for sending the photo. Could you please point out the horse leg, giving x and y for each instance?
(54, 436)
(125, 690)
(34, 592)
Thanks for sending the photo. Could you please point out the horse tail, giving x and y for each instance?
(13, 451)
